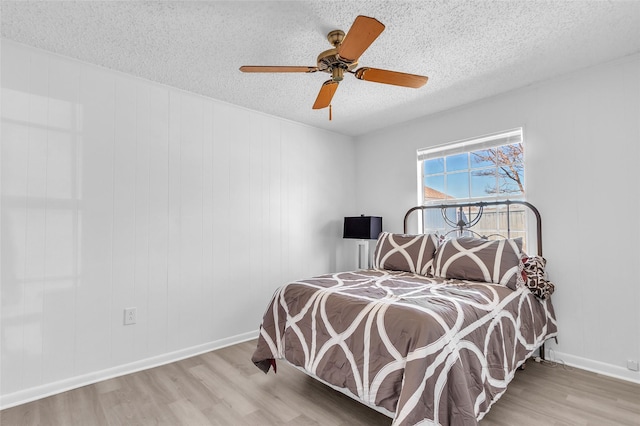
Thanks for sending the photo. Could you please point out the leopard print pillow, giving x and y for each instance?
(535, 277)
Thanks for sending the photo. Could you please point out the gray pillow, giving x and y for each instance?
(400, 252)
(477, 259)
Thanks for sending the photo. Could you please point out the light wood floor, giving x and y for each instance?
(224, 388)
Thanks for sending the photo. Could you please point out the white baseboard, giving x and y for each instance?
(593, 366)
(43, 391)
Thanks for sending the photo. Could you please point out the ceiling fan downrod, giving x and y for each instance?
(337, 74)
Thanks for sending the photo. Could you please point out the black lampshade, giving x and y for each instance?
(362, 227)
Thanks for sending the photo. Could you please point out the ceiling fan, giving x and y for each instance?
(344, 56)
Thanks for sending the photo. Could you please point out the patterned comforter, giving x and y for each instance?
(427, 350)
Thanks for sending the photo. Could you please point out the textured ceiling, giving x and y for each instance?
(469, 49)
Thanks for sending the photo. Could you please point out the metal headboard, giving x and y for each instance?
(461, 225)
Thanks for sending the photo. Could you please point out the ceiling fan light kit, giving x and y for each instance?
(347, 49)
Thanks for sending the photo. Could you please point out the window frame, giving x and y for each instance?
(489, 141)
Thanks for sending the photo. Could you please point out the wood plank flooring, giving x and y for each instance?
(224, 388)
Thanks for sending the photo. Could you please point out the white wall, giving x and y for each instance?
(582, 154)
(118, 192)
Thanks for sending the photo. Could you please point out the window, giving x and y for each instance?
(486, 168)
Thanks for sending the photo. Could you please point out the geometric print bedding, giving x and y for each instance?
(430, 350)
(476, 259)
(409, 253)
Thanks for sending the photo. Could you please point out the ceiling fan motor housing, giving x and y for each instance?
(330, 62)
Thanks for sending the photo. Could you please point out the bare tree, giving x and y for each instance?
(509, 161)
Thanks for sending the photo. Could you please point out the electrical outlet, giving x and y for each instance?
(632, 365)
(130, 316)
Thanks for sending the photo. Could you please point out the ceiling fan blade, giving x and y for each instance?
(391, 77)
(251, 68)
(326, 94)
(360, 36)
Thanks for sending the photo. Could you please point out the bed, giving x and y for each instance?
(434, 332)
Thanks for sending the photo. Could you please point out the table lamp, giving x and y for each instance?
(362, 228)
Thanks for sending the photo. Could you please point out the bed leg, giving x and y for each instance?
(541, 354)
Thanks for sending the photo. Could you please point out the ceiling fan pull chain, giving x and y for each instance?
(329, 112)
